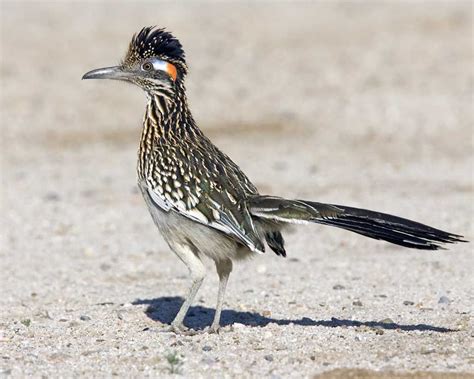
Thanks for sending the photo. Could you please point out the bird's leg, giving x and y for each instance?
(224, 268)
(197, 272)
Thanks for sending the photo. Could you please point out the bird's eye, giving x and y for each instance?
(147, 66)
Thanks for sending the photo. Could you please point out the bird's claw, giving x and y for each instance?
(213, 329)
(180, 330)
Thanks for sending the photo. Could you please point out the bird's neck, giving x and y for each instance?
(167, 122)
(167, 116)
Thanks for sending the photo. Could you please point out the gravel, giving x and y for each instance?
(368, 105)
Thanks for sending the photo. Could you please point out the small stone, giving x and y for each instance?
(238, 325)
(85, 318)
(268, 357)
(387, 321)
(338, 287)
(88, 252)
(357, 303)
(444, 300)
(52, 196)
(408, 302)
(26, 322)
(379, 332)
(209, 361)
(206, 348)
(365, 328)
(266, 313)
(261, 269)
(427, 351)
(105, 266)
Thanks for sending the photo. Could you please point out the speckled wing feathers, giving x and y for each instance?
(200, 182)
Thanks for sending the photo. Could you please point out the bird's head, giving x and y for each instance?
(154, 61)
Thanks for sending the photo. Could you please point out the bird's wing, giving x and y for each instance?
(207, 191)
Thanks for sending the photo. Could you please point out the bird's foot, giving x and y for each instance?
(181, 330)
(213, 329)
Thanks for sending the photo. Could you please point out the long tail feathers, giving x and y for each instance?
(371, 224)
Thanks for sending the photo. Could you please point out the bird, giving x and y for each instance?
(201, 201)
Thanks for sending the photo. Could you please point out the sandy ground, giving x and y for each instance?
(366, 105)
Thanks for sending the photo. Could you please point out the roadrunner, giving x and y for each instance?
(202, 203)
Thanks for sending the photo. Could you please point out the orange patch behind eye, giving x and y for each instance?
(171, 70)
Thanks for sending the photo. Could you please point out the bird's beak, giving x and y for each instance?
(115, 72)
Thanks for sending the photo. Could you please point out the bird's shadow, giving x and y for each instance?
(164, 309)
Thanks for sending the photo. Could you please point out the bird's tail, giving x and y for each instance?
(371, 224)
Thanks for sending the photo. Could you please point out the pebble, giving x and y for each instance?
(52, 196)
(105, 266)
(444, 300)
(387, 321)
(428, 351)
(268, 357)
(206, 348)
(238, 325)
(357, 303)
(408, 302)
(338, 287)
(88, 252)
(85, 318)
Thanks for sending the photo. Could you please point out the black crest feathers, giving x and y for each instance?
(155, 42)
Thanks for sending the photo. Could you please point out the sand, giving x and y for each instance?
(367, 104)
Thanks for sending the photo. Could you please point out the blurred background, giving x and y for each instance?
(360, 103)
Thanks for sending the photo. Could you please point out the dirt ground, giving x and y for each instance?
(363, 104)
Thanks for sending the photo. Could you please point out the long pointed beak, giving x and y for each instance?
(115, 72)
